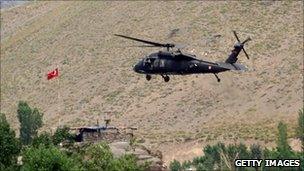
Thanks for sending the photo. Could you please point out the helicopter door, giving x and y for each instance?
(159, 65)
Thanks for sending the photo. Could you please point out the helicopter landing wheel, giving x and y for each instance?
(166, 78)
(218, 79)
(148, 77)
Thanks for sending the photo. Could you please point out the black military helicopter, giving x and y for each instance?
(174, 62)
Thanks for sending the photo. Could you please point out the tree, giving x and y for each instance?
(126, 163)
(99, 157)
(47, 159)
(9, 145)
(61, 134)
(44, 139)
(255, 153)
(283, 147)
(30, 121)
(186, 165)
(175, 165)
(215, 157)
(300, 129)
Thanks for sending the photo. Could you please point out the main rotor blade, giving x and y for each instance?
(248, 39)
(141, 46)
(237, 38)
(246, 53)
(143, 41)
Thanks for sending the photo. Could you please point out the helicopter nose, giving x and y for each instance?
(139, 67)
(136, 68)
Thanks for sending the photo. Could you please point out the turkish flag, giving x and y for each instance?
(53, 74)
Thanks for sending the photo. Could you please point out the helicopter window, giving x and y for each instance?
(162, 63)
(156, 62)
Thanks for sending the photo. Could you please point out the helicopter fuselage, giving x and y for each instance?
(170, 63)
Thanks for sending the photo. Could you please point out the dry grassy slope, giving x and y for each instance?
(97, 77)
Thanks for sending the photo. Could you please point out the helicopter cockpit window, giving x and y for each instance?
(148, 62)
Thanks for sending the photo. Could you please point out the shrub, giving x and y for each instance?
(255, 151)
(99, 157)
(175, 166)
(62, 134)
(51, 158)
(126, 163)
(44, 139)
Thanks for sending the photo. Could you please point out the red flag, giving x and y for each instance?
(53, 74)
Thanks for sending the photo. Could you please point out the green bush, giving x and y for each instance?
(43, 139)
(255, 151)
(62, 134)
(126, 163)
(9, 145)
(99, 157)
(50, 158)
(175, 166)
(186, 165)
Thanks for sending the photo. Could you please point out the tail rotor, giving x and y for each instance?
(241, 44)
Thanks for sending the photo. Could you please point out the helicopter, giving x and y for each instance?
(173, 61)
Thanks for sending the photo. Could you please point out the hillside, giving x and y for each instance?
(96, 76)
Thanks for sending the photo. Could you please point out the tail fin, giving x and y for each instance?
(237, 48)
(234, 54)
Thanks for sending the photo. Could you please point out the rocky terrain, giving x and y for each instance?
(96, 77)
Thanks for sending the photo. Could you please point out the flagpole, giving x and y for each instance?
(58, 96)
